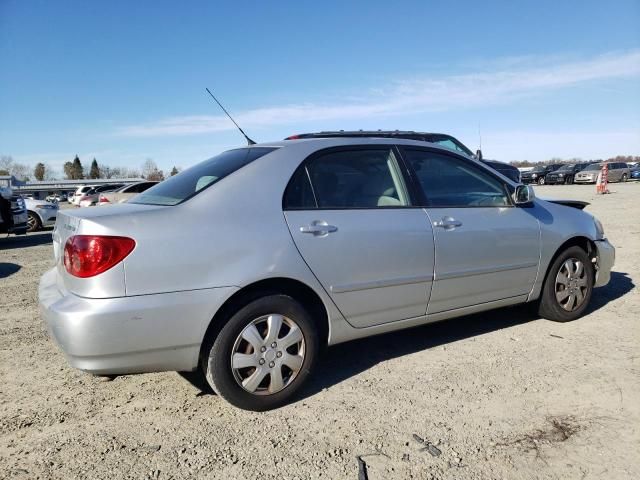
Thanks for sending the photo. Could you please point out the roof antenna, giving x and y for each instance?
(249, 141)
(479, 137)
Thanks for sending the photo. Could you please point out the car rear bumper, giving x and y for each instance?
(146, 333)
(606, 258)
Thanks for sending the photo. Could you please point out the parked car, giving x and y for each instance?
(40, 213)
(124, 193)
(91, 197)
(538, 174)
(13, 213)
(635, 172)
(57, 197)
(565, 174)
(440, 139)
(618, 172)
(282, 247)
(80, 191)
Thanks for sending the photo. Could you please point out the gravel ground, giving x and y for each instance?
(501, 394)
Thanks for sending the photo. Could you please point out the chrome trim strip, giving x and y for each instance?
(483, 271)
(392, 282)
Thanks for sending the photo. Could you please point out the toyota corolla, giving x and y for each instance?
(245, 265)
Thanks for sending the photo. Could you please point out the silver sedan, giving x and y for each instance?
(244, 265)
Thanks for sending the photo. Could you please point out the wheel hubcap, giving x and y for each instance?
(31, 222)
(571, 284)
(268, 354)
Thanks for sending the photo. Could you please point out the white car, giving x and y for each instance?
(77, 195)
(40, 213)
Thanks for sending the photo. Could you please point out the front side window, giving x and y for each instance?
(359, 178)
(451, 182)
(188, 183)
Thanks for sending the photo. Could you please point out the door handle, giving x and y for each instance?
(448, 223)
(319, 228)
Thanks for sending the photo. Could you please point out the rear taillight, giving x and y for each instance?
(89, 255)
(104, 199)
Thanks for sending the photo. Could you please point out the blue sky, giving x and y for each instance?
(124, 81)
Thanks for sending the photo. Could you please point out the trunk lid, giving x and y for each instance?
(108, 220)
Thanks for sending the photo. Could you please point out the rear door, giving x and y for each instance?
(351, 218)
(486, 248)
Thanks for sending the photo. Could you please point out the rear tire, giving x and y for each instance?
(624, 177)
(263, 354)
(33, 222)
(568, 287)
(541, 181)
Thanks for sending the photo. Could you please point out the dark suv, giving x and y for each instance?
(539, 173)
(13, 212)
(441, 139)
(564, 174)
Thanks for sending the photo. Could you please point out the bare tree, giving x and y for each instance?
(150, 170)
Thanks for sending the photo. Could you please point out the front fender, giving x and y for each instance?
(558, 225)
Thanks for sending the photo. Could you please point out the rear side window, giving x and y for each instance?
(362, 178)
(192, 181)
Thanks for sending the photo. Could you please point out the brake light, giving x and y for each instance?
(89, 255)
(293, 137)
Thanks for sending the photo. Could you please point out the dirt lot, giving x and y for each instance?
(501, 394)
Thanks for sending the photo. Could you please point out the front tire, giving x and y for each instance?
(541, 181)
(263, 354)
(624, 177)
(33, 222)
(568, 286)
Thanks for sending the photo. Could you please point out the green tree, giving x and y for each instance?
(174, 171)
(39, 171)
(95, 170)
(76, 170)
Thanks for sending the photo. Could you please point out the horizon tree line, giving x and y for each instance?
(74, 170)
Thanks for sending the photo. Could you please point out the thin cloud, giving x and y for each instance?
(414, 96)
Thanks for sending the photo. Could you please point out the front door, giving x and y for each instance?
(486, 248)
(349, 215)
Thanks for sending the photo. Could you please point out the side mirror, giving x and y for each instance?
(523, 195)
(479, 154)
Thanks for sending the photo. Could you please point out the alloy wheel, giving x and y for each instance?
(268, 354)
(32, 223)
(571, 284)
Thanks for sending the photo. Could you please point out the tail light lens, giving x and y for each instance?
(89, 255)
(104, 199)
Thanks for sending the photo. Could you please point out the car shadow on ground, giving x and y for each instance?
(22, 241)
(349, 359)
(8, 269)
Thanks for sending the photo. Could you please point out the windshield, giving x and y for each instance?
(192, 181)
(566, 168)
(593, 166)
(539, 168)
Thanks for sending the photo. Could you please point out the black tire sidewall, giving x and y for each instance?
(216, 361)
(549, 307)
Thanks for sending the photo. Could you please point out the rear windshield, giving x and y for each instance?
(192, 181)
